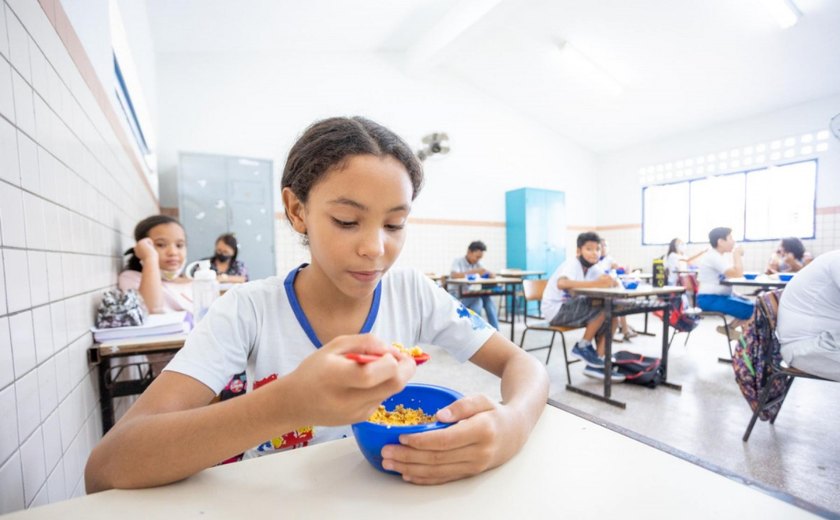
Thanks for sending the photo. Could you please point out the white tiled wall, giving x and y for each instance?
(69, 199)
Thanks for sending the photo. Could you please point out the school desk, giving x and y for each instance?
(643, 299)
(761, 282)
(573, 466)
(508, 289)
(119, 377)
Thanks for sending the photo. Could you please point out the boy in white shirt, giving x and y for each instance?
(566, 310)
(713, 268)
(809, 318)
(471, 264)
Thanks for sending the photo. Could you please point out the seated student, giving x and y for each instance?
(471, 264)
(225, 262)
(347, 188)
(565, 310)
(606, 263)
(789, 257)
(156, 264)
(713, 267)
(808, 325)
(676, 259)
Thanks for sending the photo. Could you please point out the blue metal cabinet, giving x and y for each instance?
(536, 229)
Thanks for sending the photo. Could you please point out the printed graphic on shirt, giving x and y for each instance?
(295, 439)
(477, 322)
(234, 388)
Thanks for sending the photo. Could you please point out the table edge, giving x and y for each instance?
(731, 475)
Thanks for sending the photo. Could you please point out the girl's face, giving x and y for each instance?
(354, 220)
(223, 249)
(171, 245)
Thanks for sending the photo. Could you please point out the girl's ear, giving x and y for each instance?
(294, 210)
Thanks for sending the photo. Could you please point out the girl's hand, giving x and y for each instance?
(145, 250)
(486, 435)
(331, 390)
(606, 281)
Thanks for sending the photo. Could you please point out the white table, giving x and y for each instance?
(763, 282)
(509, 285)
(570, 468)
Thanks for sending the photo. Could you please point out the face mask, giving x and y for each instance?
(584, 262)
(168, 276)
(223, 258)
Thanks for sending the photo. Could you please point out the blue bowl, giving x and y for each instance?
(472, 277)
(371, 437)
(630, 284)
(785, 277)
(750, 276)
(486, 275)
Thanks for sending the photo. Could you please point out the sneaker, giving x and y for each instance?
(693, 310)
(587, 354)
(631, 333)
(734, 334)
(598, 373)
(619, 337)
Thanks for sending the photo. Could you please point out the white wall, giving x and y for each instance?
(619, 190)
(69, 199)
(256, 104)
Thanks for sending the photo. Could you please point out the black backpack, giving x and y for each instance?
(638, 369)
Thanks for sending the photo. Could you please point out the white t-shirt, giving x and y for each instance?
(672, 264)
(260, 327)
(553, 297)
(811, 301)
(176, 296)
(710, 273)
(605, 264)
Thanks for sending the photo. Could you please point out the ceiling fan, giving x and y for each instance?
(436, 143)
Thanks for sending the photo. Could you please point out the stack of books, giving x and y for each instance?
(155, 325)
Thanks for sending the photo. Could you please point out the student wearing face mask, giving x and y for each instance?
(568, 310)
(155, 268)
(225, 263)
(676, 259)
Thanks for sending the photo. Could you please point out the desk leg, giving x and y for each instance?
(513, 313)
(666, 319)
(106, 400)
(608, 308)
(645, 332)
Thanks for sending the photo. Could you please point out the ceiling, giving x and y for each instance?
(671, 65)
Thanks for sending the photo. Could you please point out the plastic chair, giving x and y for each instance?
(777, 378)
(533, 291)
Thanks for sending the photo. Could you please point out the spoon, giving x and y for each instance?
(361, 359)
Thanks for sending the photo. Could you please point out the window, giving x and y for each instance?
(780, 201)
(763, 204)
(717, 202)
(665, 213)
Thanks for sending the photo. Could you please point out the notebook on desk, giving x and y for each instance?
(155, 325)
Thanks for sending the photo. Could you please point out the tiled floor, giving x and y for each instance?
(798, 455)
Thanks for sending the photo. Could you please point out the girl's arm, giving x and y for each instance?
(487, 434)
(695, 257)
(170, 433)
(151, 286)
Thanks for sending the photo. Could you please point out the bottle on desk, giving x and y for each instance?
(205, 289)
(658, 272)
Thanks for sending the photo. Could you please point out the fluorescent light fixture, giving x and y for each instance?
(784, 11)
(588, 68)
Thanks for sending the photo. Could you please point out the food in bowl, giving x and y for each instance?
(400, 416)
(371, 437)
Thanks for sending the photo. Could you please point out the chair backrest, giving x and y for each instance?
(533, 289)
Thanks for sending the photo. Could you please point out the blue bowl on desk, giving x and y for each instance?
(785, 277)
(750, 276)
(371, 437)
(630, 284)
(472, 277)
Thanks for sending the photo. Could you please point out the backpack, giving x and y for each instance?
(120, 309)
(677, 318)
(638, 369)
(757, 353)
